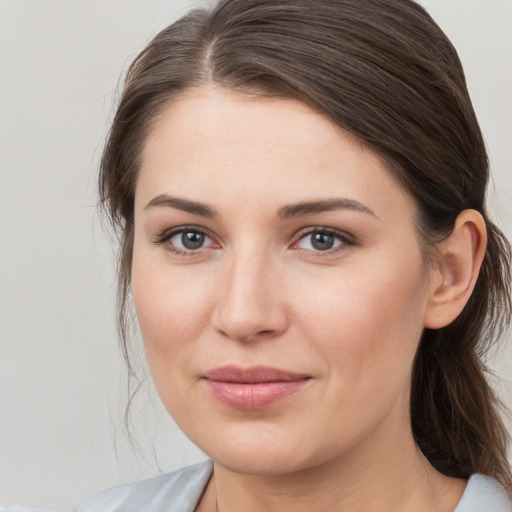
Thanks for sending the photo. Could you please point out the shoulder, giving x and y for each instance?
(173, 492)
(484, 493)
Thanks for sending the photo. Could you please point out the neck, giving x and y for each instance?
(384, 472)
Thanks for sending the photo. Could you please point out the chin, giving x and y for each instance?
(262, 450)
(262, 462)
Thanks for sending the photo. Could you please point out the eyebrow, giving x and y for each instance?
(186, 205)
(286, 212)
(325, 205)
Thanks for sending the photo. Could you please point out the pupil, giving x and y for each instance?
(322, 241)
(192, 240)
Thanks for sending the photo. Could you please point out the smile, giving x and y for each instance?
(252, 388)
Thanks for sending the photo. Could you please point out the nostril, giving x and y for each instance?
(265, 332)
(247, 335)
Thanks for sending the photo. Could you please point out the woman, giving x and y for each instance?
(300, 192)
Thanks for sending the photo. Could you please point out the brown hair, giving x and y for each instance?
(385, 72)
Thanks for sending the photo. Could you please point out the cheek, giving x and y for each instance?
(172, 312)
(366, 321)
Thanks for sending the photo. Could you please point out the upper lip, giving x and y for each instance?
(252, 374)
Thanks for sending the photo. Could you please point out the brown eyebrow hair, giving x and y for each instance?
(325, 205)
(183, 204)
(286, 212)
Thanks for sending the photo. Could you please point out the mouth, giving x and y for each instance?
(252, 388)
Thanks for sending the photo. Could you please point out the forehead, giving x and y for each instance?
(225, 119)
(217, 143)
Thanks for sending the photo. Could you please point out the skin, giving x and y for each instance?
(258, 292)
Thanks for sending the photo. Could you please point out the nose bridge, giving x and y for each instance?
(249, 305)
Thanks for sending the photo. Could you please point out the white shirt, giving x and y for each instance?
(180, 492)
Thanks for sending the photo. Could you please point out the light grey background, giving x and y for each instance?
(61, 379)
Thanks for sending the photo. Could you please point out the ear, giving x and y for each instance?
(456, 269)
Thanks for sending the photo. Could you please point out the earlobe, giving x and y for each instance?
(456, 270)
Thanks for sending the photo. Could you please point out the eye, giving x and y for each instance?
(185, 240)
(322, 239)
(189, 240)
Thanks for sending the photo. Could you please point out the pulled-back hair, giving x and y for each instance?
(385, 72)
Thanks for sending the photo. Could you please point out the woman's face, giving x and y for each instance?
(278, 282)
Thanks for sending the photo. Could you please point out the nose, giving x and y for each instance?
(250, 305)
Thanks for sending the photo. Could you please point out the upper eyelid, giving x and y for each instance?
(298, 235)
(170, 232)
(347, 242)
(163, 240)
(312, 229)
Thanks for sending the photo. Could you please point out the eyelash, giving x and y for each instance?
(167, 235)
(344, 240)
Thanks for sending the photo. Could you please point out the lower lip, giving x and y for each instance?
(249, 396)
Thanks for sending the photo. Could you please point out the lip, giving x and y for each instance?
(252, 388)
